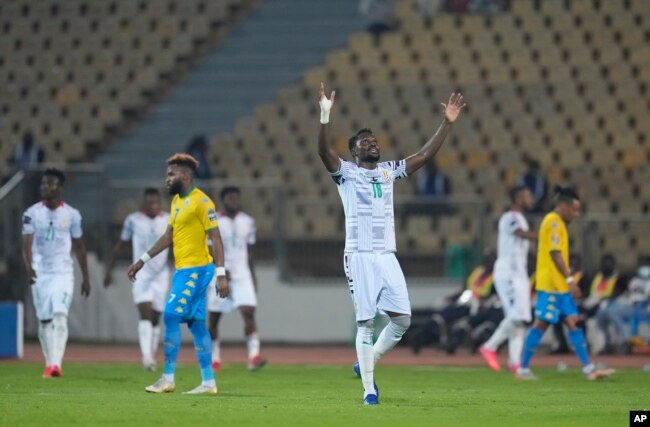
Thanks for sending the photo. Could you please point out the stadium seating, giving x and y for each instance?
(72, 72)
(562, 82)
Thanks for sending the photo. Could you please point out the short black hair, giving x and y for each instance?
(55, 173)
(514, 191)
(228, 190)
(565, 194)
(151, 191)
(353, 139)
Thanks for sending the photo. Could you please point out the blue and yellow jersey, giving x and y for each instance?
(191, 217)
(553, 236)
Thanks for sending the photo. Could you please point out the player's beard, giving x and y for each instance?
(175, 188)
(370, 158)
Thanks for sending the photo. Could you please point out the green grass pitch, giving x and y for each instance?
(113, 395)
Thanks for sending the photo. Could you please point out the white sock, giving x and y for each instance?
(253, 344)
(145, 336)
(516, 344)
(169, 378)
(502, 333)
(155, 340)
(216, 350)
(366, 355)
(391, 335)
(59, 338)
(209, 383)
(45, 332)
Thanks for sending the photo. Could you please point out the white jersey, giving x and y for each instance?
(53, 232)
(143, 231)
(236, 234)
(512, 251)
(367, 196)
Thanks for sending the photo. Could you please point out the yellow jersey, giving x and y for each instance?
(553, 236)
(191, 217)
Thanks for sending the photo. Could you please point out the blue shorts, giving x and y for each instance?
(187, 297)
(553, 306)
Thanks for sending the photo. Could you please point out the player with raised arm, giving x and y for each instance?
(143, 228)
(51, 228)
(238, 234)
(556, 287)
(511, 280)
(374, 275)
(193, 219)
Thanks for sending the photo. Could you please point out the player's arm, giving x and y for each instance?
(251, 265)
(452, 111)
(28, 240)
(164, 242)
(217, 253)
(117, 250)
(80, 252)
(325, 150)
(528, 235)
(556, 256)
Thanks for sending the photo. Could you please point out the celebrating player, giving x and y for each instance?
(555, 287)
(511, 280)
(238, 234)
(143, 228)
(193, 217)
(374, 276)
(50, 229)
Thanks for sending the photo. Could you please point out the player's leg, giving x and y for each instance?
(362, 281)
(202, 342)
(145, 334)
(521, 315)
(61, 299)
(547, 312)
(43, 310)
(213, 328)
(505, 290)
(578, 341)
(155, 331)
(255, 360)
(394, 301)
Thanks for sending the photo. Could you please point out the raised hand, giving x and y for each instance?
(325, 104)
(453, 107)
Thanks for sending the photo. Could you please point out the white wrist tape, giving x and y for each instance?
(569, 280)
(325, 108)
(145, 257)
(221, 271)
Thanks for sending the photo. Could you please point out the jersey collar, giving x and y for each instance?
(182, 196)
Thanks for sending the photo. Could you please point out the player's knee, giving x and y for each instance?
(402, 322)
(170, 318)
(368, 324)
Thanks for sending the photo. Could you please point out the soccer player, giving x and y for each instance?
(193, 219)
(555, 287)
(51, 228)
(374, 276)
(238, 234)
(143, 228)
(511, 280)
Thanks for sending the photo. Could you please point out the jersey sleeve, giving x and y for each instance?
(127, 229)
(344, 173)
(28, 222)
(251, 237)
(207, 213)
(75, 225)
(397, 169)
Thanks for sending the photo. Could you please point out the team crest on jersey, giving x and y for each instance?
(187, 202)
(386, 175)
(555, 239)
(212, 215)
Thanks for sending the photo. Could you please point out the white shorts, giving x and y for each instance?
(376, 283)
(52, 294)
(242, 293)
(152, 288)
(514, 292)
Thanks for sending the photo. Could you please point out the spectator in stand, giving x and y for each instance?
(632, 306)
(534, 179)
(378, 15)
(432, 182)
(198, 148)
